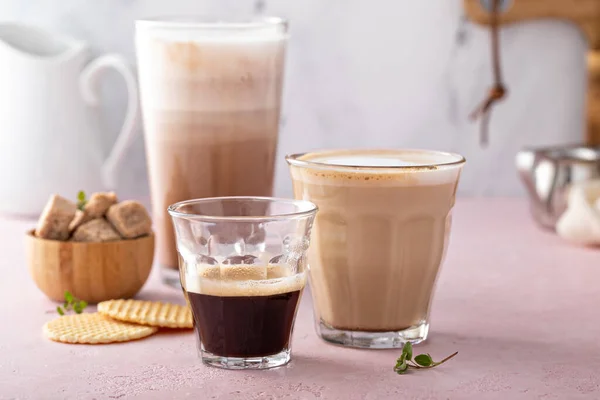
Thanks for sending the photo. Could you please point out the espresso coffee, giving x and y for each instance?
(380, 235)
(244, 311)
(211, 104)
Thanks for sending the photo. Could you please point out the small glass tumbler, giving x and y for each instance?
(242, 267)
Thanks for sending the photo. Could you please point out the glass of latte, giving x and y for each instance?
(378, 241)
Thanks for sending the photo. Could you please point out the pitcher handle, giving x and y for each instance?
(89, 88)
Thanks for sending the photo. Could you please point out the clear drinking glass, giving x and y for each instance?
(243, 270)
(211, 97)
(379, 240)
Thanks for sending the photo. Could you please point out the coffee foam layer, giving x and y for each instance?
(219, 38)
(381, 158)
(210, 74)
(219, 32)
(366, 161)
(389, 167)
(243, 280)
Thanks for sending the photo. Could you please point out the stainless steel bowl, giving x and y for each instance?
(549, 172)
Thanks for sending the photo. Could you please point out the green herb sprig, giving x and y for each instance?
(421, 361)
(81, 200)
(71, 303)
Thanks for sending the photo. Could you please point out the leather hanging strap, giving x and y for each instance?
(498, 91)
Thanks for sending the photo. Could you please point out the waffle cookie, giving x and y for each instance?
(151, 313)
(94, 328)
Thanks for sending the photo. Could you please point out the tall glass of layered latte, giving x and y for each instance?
(211, 94)
(378, 240)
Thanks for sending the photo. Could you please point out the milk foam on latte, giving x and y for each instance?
(408, 167)
(382, 161)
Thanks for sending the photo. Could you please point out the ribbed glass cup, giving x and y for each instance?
(242, 268)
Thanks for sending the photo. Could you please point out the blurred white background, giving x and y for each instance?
(380, 73)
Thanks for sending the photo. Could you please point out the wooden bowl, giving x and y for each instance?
(92, 272)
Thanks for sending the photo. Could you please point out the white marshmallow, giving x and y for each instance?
(580, 223)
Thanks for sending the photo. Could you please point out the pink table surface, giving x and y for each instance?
(519, 305)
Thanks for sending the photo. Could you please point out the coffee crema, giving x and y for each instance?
(380, 235)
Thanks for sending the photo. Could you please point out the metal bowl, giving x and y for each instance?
(549, 172)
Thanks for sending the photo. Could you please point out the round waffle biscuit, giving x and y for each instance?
(94, 328)
(151, 313)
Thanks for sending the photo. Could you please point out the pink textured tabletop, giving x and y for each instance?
(518, 304)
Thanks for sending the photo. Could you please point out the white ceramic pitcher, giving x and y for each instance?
(50, 140)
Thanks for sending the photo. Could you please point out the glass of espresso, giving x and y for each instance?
(379, 240)
(211, 95)
(243, 269)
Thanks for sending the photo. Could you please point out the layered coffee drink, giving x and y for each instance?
(211, 95)
(378, 241)
(244, 311)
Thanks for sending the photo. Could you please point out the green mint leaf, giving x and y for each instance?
(424, 360)
(68, 297)
(401, 367)
(407, 351)
(81, 200)
(72, 303)
(60, 310)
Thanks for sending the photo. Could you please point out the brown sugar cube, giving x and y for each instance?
(96, 230)
(81, 217)
(55, 219)
(99, 203)
(130, 219)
